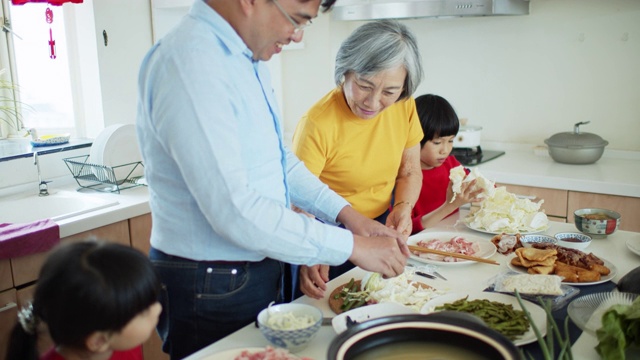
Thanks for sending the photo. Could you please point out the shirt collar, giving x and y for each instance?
(223, 30)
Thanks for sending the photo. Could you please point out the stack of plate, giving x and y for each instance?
(117, 145)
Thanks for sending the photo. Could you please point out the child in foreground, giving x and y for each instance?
(440, 125)
(97, 300)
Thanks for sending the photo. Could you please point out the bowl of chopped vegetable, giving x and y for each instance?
(291, 326)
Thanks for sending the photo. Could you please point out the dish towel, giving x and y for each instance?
(25, 239)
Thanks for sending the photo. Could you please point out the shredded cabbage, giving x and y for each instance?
(399, 289)
(505, 212)
(457, 175)
(288, 321)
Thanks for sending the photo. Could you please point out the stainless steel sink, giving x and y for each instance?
(57, 206)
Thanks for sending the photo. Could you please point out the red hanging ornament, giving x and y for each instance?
(52, 43)
(52, 2)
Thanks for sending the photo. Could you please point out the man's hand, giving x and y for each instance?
(384, 255)
(313, 280)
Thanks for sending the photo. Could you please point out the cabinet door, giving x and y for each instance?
(123, 36)
(140, 232)
(628, 207)
(555, 201)
(8, 317)
(25, 269)
(6, 280)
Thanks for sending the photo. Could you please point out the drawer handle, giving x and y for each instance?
(9, 306)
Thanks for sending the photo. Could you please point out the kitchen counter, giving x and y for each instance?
(132, 202)
(468, 278)
(616, 173)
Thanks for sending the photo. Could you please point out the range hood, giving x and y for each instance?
(403, 9)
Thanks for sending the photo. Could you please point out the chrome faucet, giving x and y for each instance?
(42, 185)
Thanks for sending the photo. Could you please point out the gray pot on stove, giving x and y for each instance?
(576, 147)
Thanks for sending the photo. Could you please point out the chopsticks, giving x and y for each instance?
(455, 255)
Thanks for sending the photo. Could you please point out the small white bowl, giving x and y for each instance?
(573, 240)
(292, 340)
(586, 311)
(529, 240)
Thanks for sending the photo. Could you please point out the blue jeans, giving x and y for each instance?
(204, 301)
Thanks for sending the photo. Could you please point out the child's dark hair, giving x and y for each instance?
(85, 287)
(437, 117)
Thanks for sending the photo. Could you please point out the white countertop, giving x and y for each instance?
(616, 173)
(132, 202)
(469, 278)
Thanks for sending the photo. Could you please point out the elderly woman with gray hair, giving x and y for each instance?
(362, 139)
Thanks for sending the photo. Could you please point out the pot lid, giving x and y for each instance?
(576, 139)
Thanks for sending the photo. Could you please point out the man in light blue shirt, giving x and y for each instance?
(221, 182)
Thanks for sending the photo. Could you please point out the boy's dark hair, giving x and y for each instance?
(85, 287)
(437, 117)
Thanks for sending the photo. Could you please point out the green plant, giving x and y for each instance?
(9, 106)
(554, 335)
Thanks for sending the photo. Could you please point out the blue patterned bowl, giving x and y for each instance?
(573, 240)
(292, 340)
(529, 240)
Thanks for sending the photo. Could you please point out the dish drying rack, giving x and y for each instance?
(103, 178)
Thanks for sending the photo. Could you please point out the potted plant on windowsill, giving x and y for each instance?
(10, 116)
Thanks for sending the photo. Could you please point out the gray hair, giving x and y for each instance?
(377, 46)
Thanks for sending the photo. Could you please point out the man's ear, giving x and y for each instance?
(98, 341)
(248, 6)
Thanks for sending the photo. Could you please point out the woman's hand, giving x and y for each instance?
(400, 219)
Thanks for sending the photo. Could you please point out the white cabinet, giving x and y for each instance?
(123, 37)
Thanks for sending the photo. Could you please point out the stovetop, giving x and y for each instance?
(475, 156)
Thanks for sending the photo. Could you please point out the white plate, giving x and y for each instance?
(612, 267)
(369, 312)
(634, 246)
(487, 249)
(538, 314)
(500, 232)
(117, 145)
(230, 354)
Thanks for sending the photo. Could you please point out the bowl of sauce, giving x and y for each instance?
(596, 222)
(573, 240)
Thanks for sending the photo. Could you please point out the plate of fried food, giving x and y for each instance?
(401, 289)
(450, 242)
(574, 266)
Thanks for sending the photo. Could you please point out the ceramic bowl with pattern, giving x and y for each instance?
(573, 240)
(529, 240)
(291, 326)
(596, 222)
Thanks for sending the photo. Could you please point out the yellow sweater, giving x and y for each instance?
(358, 159)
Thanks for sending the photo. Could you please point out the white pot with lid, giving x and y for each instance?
(468, 135)
(576, 147)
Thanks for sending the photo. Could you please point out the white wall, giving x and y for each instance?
(522, 78)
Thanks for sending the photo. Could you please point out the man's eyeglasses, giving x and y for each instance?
(296, 26)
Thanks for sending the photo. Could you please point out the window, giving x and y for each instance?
(42, 69)
(55, 95)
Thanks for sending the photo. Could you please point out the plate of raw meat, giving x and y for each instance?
(450, 242)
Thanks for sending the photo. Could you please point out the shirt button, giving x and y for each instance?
(209, 270)
(234, 271)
